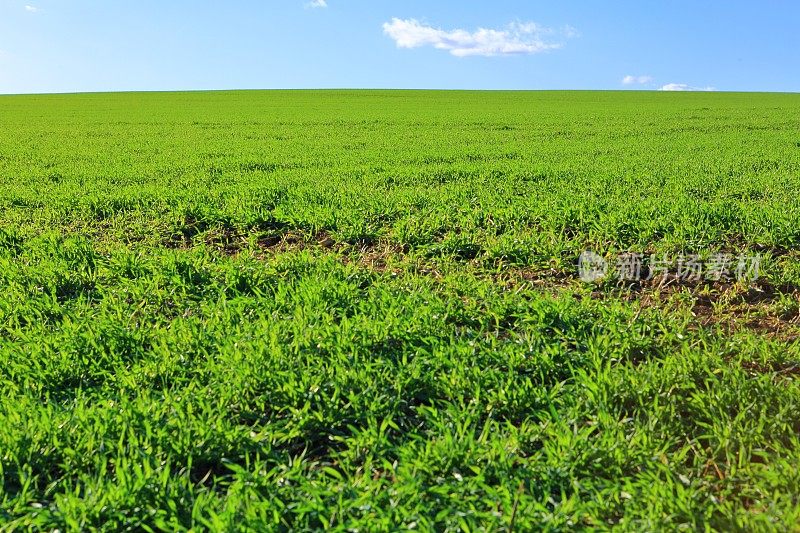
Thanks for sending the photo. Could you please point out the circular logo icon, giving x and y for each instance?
(591, 267)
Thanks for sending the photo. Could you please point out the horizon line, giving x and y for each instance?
(375, 89)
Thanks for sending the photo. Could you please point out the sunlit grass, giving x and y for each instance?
(360, 310)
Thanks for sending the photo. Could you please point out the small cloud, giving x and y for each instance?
(515, 39)
(679, 87)
(32, 9)
(570, 32)
(317, 3)
(636, 80)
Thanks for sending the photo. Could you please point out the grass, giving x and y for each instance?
(361, 310)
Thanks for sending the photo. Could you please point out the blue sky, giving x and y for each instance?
(93, 45)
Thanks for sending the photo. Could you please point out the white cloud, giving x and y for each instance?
(640, 80)
(515, 39)
(317, 3)
(32, 9)
(684, 87)
(570, 32)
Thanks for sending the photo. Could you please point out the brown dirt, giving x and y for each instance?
(716, 304)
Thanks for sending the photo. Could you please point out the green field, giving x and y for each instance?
(362, 310)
